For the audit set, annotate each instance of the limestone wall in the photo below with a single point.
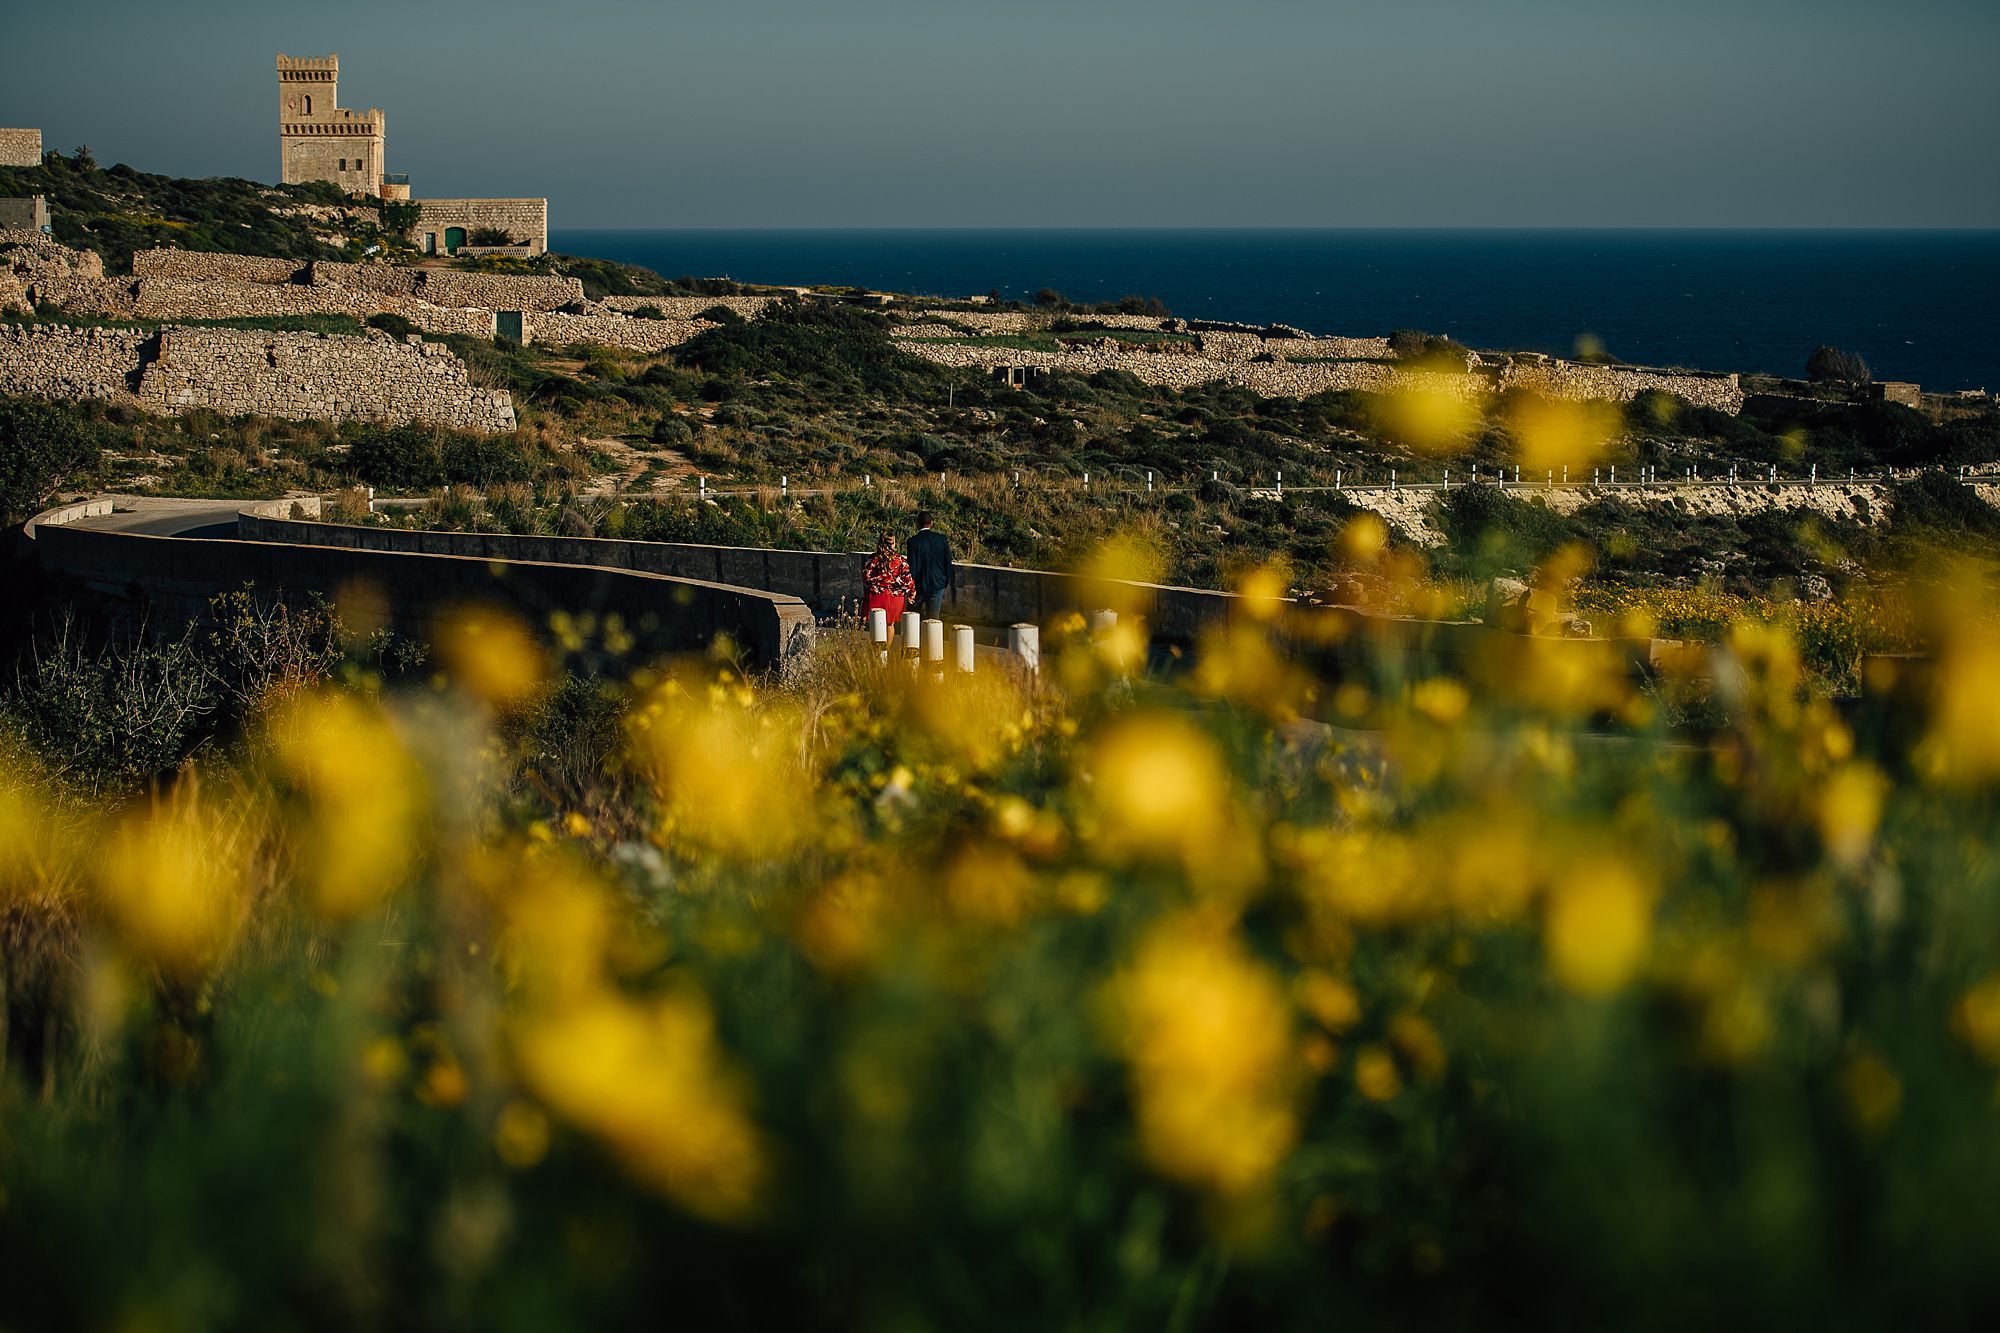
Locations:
(687, 307)
(310, 376)
(621, 331)
(20, 148)
(440, 287)
(170, 299)
(300, 376)
(1569, 379)
(219, 267)
(62, 362)
(1303, 379)
(498, 291)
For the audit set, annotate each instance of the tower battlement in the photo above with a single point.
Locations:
(320, 140)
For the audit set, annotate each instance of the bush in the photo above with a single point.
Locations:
(1414, 347)
(1832, 365)
(720, 314)
(43, 449)
(393, 325)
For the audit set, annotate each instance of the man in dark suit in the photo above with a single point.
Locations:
(930, 567)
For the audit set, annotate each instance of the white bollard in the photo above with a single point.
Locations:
(703, 482)
(1565, 474)
(784, 485)
(1517, 474)
(1025, 642)
(1392, 479)
(933, 641)
(1086, 481)
(912, 630)
(866, 481)
(1614, 474)
(1102, 622)
(1447, 479)
(1336, 479)
(1149, 481)
(1281, 483)
(962, 651)
(1550, 484)
(1815, 474)
(878, 627)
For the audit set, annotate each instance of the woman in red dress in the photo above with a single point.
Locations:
(887, 580)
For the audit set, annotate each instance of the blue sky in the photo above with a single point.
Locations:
(873, 113)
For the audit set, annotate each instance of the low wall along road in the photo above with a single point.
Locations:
(161, 582)
(642, 600)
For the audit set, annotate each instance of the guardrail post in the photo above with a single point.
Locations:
(1336, 478)
(933, 641)
(963, 653)
(912, 631)
(1102, 622)
(1025, 642)
(1392, 479)
(1149, 481)
(784, 486)
(1281, 484)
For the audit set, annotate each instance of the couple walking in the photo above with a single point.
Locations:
(919, 582)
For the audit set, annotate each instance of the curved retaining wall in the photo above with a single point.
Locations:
(162, 583)
(827, 582)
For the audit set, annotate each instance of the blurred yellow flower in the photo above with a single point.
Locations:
(1432, 413)
(1205, 1029)
(366, 796)
(1552, 433)
(1597, 926)
(173, 879)
(1977, 1019)
(492, 655)
(651, 1081)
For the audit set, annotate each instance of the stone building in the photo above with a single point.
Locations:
(20, 148)
(29, 214)
(320, 140)
(449, 226)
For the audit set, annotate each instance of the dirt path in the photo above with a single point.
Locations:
(630, 464)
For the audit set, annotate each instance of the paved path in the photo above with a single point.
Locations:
(167, 516)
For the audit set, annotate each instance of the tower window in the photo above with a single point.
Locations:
(309, 104)
(343, 164)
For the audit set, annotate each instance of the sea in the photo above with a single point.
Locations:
(1922, 306)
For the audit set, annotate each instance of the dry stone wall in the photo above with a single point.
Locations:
(218, 267)
(64, 362)
(621, 331)
(1303, 379)
(498, 291)
(300, 376)
(311, 376)
(686, 307)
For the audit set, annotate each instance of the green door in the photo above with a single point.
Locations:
(454, 237)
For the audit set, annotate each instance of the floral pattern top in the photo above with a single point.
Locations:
(889, 576)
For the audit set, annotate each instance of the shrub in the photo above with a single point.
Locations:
(720, 314)
(392, 324)
(43, 449)
(1832, 365)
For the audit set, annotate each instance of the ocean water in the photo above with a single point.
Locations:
(1919, 305)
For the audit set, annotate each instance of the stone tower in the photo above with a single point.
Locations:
(318, 140)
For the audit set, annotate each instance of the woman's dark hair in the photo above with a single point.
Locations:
(885, 542)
